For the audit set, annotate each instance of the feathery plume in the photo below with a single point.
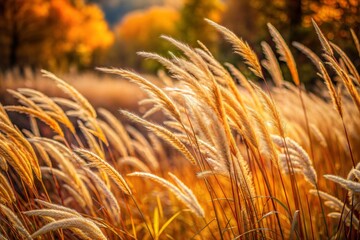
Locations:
(88, 227)
(15, 221)
(285, 53)
(271, 64)
(309, 53)
(324, 42)
(184, 194)
(356, 40)
(72, 92)
(241, 47)
(163, 133)
(103, 165)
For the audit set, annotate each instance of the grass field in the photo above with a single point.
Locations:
(227, 159)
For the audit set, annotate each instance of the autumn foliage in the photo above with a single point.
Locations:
(51, 34)
(140, 30)
(61, 34)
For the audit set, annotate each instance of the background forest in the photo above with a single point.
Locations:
(80, 34)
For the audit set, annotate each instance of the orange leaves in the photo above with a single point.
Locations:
(59, 33)
(142, 29)
(79, 22)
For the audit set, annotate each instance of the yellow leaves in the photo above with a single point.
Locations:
(79, 23)
(329, 10)
(218, 11)
(93, 22)
(50, 30)
(156, 222)
(42, 10)
(135, 29)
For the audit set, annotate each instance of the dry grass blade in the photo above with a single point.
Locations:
(75, 195)
(64, 162)
(40, 115)
(246, 84)
(266, 146)
(57, 207)
(49, 106)
(177, 71)
(347, 61)
(106, 193)
(190, 53)
(86, 226)
(309, 53)
(356, 40)
(134, 162)
(348, 219)
(4, 117)
(6, 192)
(296, 157)
(189, 200)
(147, 154)
(3, 164)
(346, 80)
(241, 47)
(272, 65)
(333, 93)
(324, 42)
(119, 128)
(113, 138)
(319, 136)
(243, 125)
(15, 221)
(342, 211)
(60, 175)
(188, 192)
(90, 140)
(285, 53)
(272, 110)
(19, 153)
(43, 154)
(72, 92)
(164, 134)
(153, 90)
(18, 161)
(2, 237)
(53, 213)
(95, 129)
(294, 224)
(347, 184)
(330, 200)
(25, 101)
(61, 147)
(103, 165)
(309, 171)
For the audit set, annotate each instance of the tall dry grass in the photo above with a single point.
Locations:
(228, 161)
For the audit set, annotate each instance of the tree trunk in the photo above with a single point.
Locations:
(14, 40)
(294, 12)
(14, 45)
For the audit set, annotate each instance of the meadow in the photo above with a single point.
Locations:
(225, 157)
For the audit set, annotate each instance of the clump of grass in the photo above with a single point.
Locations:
(244, 159)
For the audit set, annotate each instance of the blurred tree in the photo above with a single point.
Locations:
(50, 34)
(140, 31)
(247, 18)
(292, 18)
(192, 26)
(335, 16)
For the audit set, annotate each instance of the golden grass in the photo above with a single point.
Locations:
(246, 158)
